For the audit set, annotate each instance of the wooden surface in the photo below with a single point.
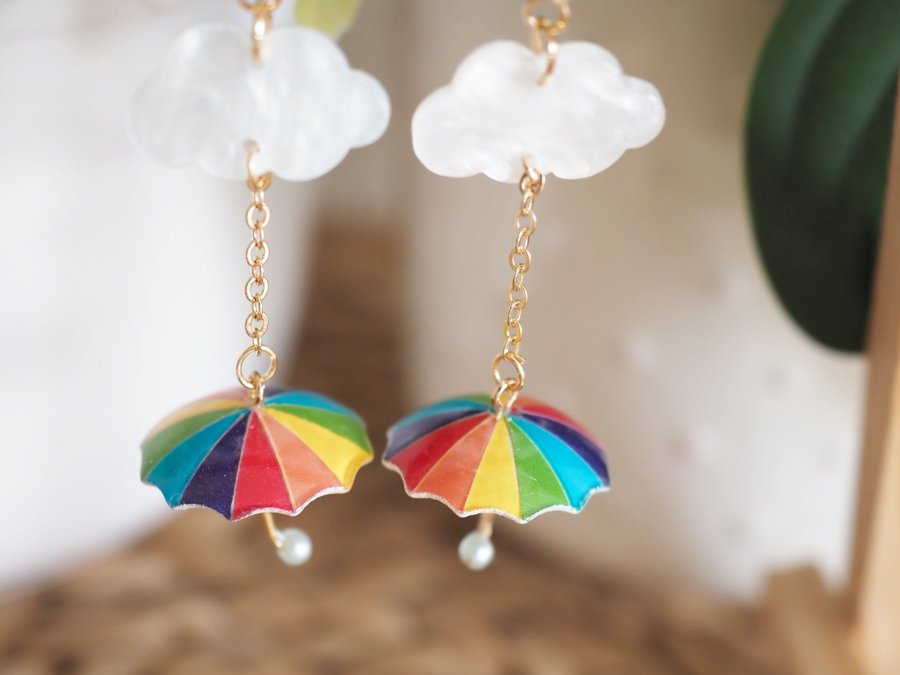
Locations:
(384, 592)
(809, 624)
(875, 586)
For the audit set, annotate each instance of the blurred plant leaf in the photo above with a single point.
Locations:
(332, 17)
(818, 138)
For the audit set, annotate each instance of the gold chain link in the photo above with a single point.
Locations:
(509, 386)
(545, 31)
(257, 287)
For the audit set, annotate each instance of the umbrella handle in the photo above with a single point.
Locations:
(486, 524)
(274, 533)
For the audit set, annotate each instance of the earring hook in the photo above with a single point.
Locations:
(262, 21)
(545, 31)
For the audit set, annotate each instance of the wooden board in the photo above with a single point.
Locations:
(874, 597)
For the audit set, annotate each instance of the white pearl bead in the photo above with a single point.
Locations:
(476, 551)
(294, 547)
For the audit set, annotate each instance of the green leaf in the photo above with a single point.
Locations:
(817, 142)
(332, 17)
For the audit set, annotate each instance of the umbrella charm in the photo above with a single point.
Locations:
(243, 452)
(501, 454)
(519, 464)
(239, 459)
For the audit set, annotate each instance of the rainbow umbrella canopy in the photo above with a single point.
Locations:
(532, 460)
(236, 458)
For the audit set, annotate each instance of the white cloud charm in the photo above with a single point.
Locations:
(303, 104)
(494, 113)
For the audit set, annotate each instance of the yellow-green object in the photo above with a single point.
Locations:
(332, 17)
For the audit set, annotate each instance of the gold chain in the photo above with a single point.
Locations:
(509, 386)
(545, 31)
(257, 287)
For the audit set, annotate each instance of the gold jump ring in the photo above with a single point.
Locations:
(262, 379)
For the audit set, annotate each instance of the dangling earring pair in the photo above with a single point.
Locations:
(512, 113)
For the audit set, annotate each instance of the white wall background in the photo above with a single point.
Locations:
(122, 283)
(733, 438)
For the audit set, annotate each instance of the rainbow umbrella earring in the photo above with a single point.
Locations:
(245, 107)
(518, 115)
